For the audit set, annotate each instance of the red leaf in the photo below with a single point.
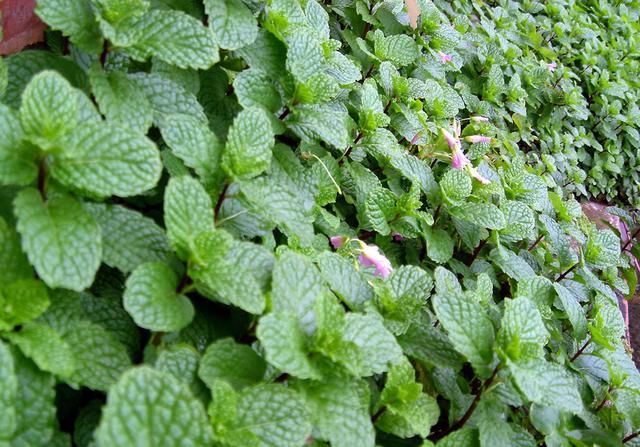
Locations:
(20, 25)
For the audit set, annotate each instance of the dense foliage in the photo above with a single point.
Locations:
(241, 224)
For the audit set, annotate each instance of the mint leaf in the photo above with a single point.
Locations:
(522, 333)
(13, 260)
(100, 358)
(62, 240)
(314, 123)
(232, 23)
(141, 407)
(439, 245)
(196, 145)
(339, 413)
(8, 392)
(468, 327)
(49, 109)
(191, 45)
(22, 301)
(485, 215)
(377, 346)
(108, 159)
(284, 343)
(547, 384)
(254, 87)
(574, 311)
(249, 144)
(120, 100)
(232, 362)
(18, 163)
(45, 347)
(128, 237)
(342, 277)
(75, 18)
(188, 211)
(152, 301)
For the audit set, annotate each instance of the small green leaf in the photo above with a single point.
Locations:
(522, 333)
(152, 301)
(249, 144)
(14, 261)
(232, 23)
(108, 159)
(468, 327)
(8, 392)
(75, 18)
(483, 214)
(148, 408)
(45, 347)
(62, 241)
(439, 245)
(18, 158)
(22, 301)
(49, 109)
(232, 362)
(188, 211)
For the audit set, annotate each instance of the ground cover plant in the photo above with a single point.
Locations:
(291, 223)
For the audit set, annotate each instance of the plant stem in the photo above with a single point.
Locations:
(378, 413)
(42, 177)
(633, 236)
(631, 436)
(581, 350)
(463, 420)
(350, 148)
(221, 197)
(604, 399)
(537, 241)
(284, 113)
(475, 253)
(566, 272)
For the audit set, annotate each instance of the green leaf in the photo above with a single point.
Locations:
(120, 100)
(218, 276)
(75, 18)
(188, 211)
(574, 311)
(304, 56)
(296, 286)
(232, 23)
(455, 186)
(522, 333)
(284, 342)
(14, 261)
(152, 301)
(237, 364)
(18, 162)
(128, 237)
(400, 49)
(342, 277)
(339, 413)
(191, 44)
(249, 144)
(380, 207)
(274, 415)
(520, 221)
(8, 393)
(603, 249)
(469, 329)
(314, 123)
(148, 408)
(100, 358)
(627, 402)
(45, 347)
(34, 406)
(377, 346)
(22, 301)
(108, 159)
(49, 109)
(483, 214)
(439, 245)
(547, 384)
(62, 240)
(195, 144)
(255, 88)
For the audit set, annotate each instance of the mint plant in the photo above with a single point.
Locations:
(289, 223)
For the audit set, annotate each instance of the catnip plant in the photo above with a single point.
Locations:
(290, 223)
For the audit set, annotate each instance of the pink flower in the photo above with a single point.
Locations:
(371, 256)
(397, 237)
(337, 241)
(478, 139)
(479, 119)
(452, 141)
(551, 67)
(444, 57)
(415, 139)
(458, 159)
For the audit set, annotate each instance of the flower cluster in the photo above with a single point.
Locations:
(458, 159)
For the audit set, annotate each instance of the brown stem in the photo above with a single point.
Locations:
(216, 210)
(604, 399)
(631, 436)
(537, 241)
(350, 148)
(386, 108)
(184, 282)
(378, 413)
(566, 272)
(105, 52)
(42, 177)
(633, 236)
(475, 253)
(436, 213)
(580, 351)
(284, 113)
(463, 420)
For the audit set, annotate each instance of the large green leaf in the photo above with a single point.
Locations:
(232, 23)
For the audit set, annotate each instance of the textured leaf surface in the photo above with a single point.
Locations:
(75, 18)
(108, 160)
(18, 164)
(22, 301)
(8, 392)
(237, 364)
(62, 240)
(232, 23)
(151, 299)
(148, 408)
